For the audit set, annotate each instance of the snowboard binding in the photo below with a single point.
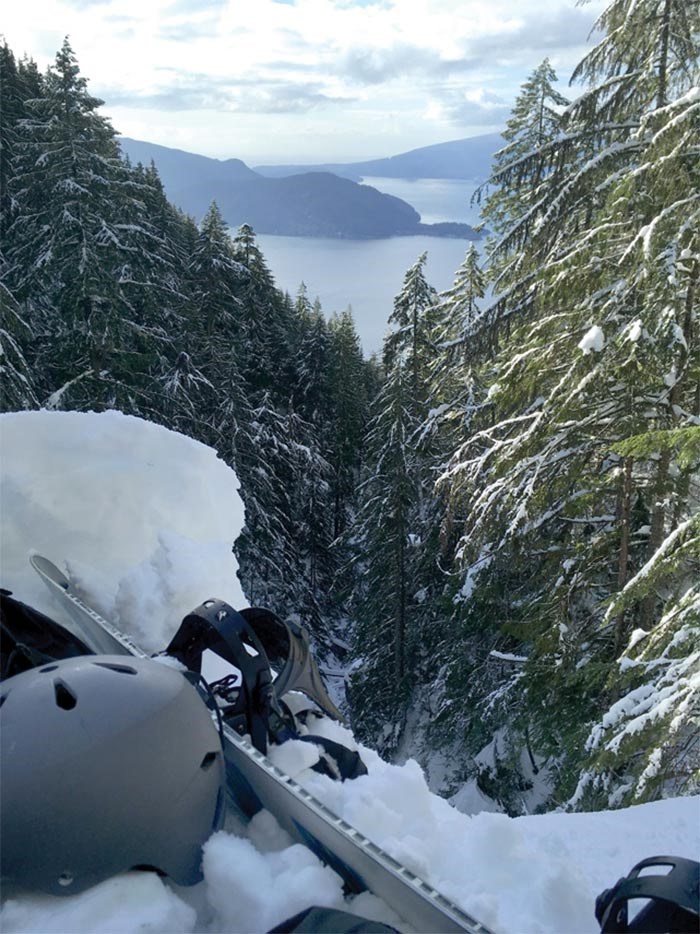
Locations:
(672, 899)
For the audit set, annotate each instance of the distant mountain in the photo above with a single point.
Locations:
(177, 168)
(461, 158)
(312, 204)
(317, 204)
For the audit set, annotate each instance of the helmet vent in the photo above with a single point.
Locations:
(48, 668)
(65, 699)
(113, 666)
(208, 761)
(3, 698)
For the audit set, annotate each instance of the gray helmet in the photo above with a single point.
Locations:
(108, 763)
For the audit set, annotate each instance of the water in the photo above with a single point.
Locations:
(435, 199)
(366, 275)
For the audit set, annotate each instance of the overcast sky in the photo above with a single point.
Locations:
(304, 80)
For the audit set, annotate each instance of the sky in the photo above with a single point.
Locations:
(294, 81)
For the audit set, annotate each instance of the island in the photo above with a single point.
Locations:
(306, 204)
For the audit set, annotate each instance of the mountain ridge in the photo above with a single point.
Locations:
(314, 203)
(468, 158)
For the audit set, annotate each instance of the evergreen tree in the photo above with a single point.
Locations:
(267, 325)
(559, 516)
(212, 335)
(19, 82)
(387, 533)
(310, 363)
(348, 402)
(646, 744)
(455, 333)
(535, 121)
(523, 177)
(17, 384)
(218, 276)
(70, 251)
(379, 689)
(411, 324)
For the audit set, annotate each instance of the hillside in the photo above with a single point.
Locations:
(461, 158)
(317, 204)
(312, 204)
(177, 168)
(151, 561)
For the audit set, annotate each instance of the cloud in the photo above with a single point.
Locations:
(559, 29)
(365, 65)
(287, 98)
(244, 95)
(470, 108)
(520, 39)
(86, 4)
(206, 28)
(178, 7)
(335, 73)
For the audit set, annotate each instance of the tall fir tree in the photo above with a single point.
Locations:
(523, 176)
(387, 532)
(348, 400)
(559, 514)
(70, 247)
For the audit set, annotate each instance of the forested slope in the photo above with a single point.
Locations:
(307, 203)
(112, 298)
(507, 505)
(529, 607)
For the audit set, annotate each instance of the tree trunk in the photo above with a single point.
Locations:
(623, 561)
(656, 535)
(400, 626)
(662, 92)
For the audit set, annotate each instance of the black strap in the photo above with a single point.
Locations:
(287, 646)
(29, 638)
(674, 898)
(217, 626)
(345, 763)
(317, 920)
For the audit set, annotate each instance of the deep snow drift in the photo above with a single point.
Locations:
(144, 519)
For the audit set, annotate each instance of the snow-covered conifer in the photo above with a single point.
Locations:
(558, 513)
(70, 245)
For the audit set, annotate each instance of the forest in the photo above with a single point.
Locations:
(495, 528)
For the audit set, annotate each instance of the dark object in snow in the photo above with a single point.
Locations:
(252, 641)
(29, 638)
(671, 899)
(109, 763)
(330, 921)
(253, 782)
(287, 647)
(337, 761)
(250, 702)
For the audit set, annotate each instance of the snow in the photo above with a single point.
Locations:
(592, 340)
(526, 874)
(144, 519)
(130, 902)
(636, 331)
(253, 891)
(507, 656)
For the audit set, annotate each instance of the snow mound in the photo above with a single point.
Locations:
(527, 874)
(145, 519)
(128, 904)
(592, 340)
(142, 518)
(253, 891)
